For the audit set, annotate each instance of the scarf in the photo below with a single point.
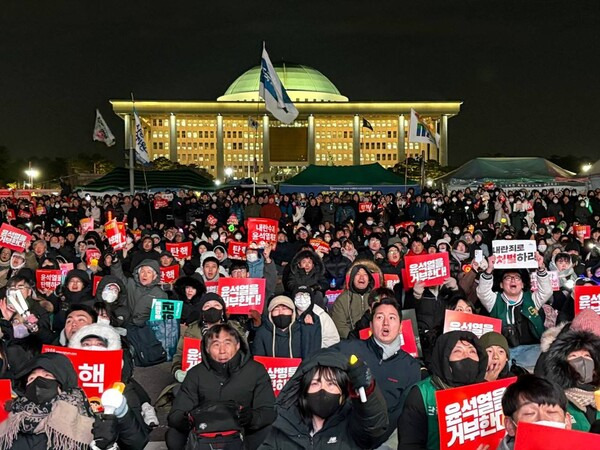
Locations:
(460, 256)
(581, 398)
(391, 349)
(66, 421)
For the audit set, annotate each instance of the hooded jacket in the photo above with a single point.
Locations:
(355, 425)
(118, 309)
(190, 309)
(84, 296)
(272, 341)
(296, 277)
(139, 298)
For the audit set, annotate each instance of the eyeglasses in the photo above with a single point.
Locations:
(512, 278)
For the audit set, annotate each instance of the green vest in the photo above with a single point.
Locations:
(528, 310)
(433, 432)
(579, 420)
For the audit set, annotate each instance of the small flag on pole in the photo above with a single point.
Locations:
(367, 124)
(252, 123)
(277, 101)
(101, 131)
(141, 152)
(419, 131)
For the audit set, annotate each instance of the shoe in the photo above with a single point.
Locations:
(149, 415)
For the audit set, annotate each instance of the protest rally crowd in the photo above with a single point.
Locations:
(409, 321)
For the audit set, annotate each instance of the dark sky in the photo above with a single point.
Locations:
(527, 70)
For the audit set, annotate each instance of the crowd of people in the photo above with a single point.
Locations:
(348, 391)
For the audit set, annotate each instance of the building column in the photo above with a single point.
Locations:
(266, 146)
(443, 150)
(401, 137)
(127, 130)
(173, 137)
(311, 140)
(356, 141)
(220, 172)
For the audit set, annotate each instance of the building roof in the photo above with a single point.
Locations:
(302, 82)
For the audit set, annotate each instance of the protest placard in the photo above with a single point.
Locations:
(116, 234)
(262, 231)
(86, 225)
(431, 269)
(95, 282)
(582, 231)
(237, 250)
(165, 309)
(242, 294)
(192, 353)
(547, 220)
(5, 396)
(390, 280)
(211, 286)
(179, 250)
(408, 341)
(365, 207)
(586, 297)
(514, 254)
(554, 280)
(476, 324)
(531, 436)
(97, 370)
(470, 416)
(332, 295)
(319, 245)
(280, 370)
(92, 256)
(47, 279)
(169, 275)
(13, 238)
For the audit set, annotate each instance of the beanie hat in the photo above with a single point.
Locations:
(208, 256)
(493, 338)
(587, 320)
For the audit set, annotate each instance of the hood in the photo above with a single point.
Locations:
(239, 360)
(111, 279)
(372, 269)
(550, 335)
(285, 301)
(184, 282)
(440, 356)
(76, 273)
(106, 332)
(317, 261)
(557, 369)
(150, 263)
(58, 365)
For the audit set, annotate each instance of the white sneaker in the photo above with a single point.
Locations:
(149, 415)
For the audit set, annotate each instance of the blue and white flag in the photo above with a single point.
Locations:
(141, 152)
(418, 131)
(273, 93)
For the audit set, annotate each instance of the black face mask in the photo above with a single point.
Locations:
(464, 371)
(322, 403)
(584, 367)
(41, 390)
(212, 315)
(335, 251)
(282, 321)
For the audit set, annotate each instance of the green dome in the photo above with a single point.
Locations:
(302, 83)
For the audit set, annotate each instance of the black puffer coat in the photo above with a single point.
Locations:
(296, 277)
(191, 309)
(118, 309)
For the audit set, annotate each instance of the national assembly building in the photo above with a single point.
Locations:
(235, 136)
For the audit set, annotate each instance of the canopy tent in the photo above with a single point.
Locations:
(370, 177)
(594, 174)
(525, 172)
(153, 181)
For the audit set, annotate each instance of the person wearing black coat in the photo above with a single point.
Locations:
(336, 264)
(190, 290)
(311, 273)
(313, 214)
(144, 251)
(226, 376)
(112, 292)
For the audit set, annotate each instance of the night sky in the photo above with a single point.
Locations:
(526, 70)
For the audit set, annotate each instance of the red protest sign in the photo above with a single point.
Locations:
(587, 297)
(331, 296)
(403, 225)
(180, 250)
(95, 282)
(6, 193)
(554, 280)
(262, 231)
(24, 214)
(531, 436)
(365, 207)
(10, 215)
(211, 286)
(242, 294)
(390, 280)
(476, 324)
(115, 233)
(160, 202)
(169, 274)
(547, 220)
(192, 354)
(237, 250)
(319, 245)
(5, 395)
(48, 280)
(92, 256)
(582, 231)
(86, 225)
(279, 369)
(430, 269)
(13, 238)
(40, 210)
(97, 370)
(470, 416)
(408, 341)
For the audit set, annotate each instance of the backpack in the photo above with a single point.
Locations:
(146, 350)
(215, 426)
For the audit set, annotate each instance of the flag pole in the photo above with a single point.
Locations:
(131, 155)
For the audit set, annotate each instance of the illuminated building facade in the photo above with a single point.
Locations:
(217, 135)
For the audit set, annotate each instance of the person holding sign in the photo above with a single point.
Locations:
(457, 360)
(320, 407)
(518, 308)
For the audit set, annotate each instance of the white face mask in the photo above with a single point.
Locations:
(302, 301)
(95, 347)
(542, 247)
(214, 236)
(103, 320)
(369, 222)
(252, 257)
(109, 295)
(238, 237)
(549, 423)
(20, 331)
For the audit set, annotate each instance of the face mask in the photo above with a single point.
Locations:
(454, 199)
(20, 331)
(212, 315)
(322, 403)
(525, 229)
(129, 239)
(238, 237)
(103, 320)
(302, 301)
(252, 257)
(214, 236)
(41, 390)
(542, 247)
(549, 423)
(282, 321)
(335, 251)
(584, 367)
(109, 295)
(582, 204)
(456, 231)
(369, 222)
(464, 371)
(555, 200)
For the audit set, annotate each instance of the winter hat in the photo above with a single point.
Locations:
(209, 296)
(493, 338)
(208, 256)
(105, 333)
(587, 320)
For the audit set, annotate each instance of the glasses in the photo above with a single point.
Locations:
(512, 278)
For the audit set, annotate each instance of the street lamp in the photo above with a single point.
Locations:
(218, 182)
(586, 167)
(31, 174)
(228, 172)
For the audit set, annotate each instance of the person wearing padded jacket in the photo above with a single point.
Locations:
(190, 290)
(458, 359)
(112, 292)
(319, 406)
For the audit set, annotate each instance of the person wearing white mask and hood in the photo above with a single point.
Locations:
(112, 292)
(311, 314)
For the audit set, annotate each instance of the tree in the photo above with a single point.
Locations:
(432, 169)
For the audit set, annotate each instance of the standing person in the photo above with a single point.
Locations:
(270, 210)
(306, 269)
(314, 319)
(336, 265)
(319, 407)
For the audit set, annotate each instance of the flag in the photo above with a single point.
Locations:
(367, 124)
(252, 123)
(101, 131)
(420, 132)
(273, 93)
(141, 152)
